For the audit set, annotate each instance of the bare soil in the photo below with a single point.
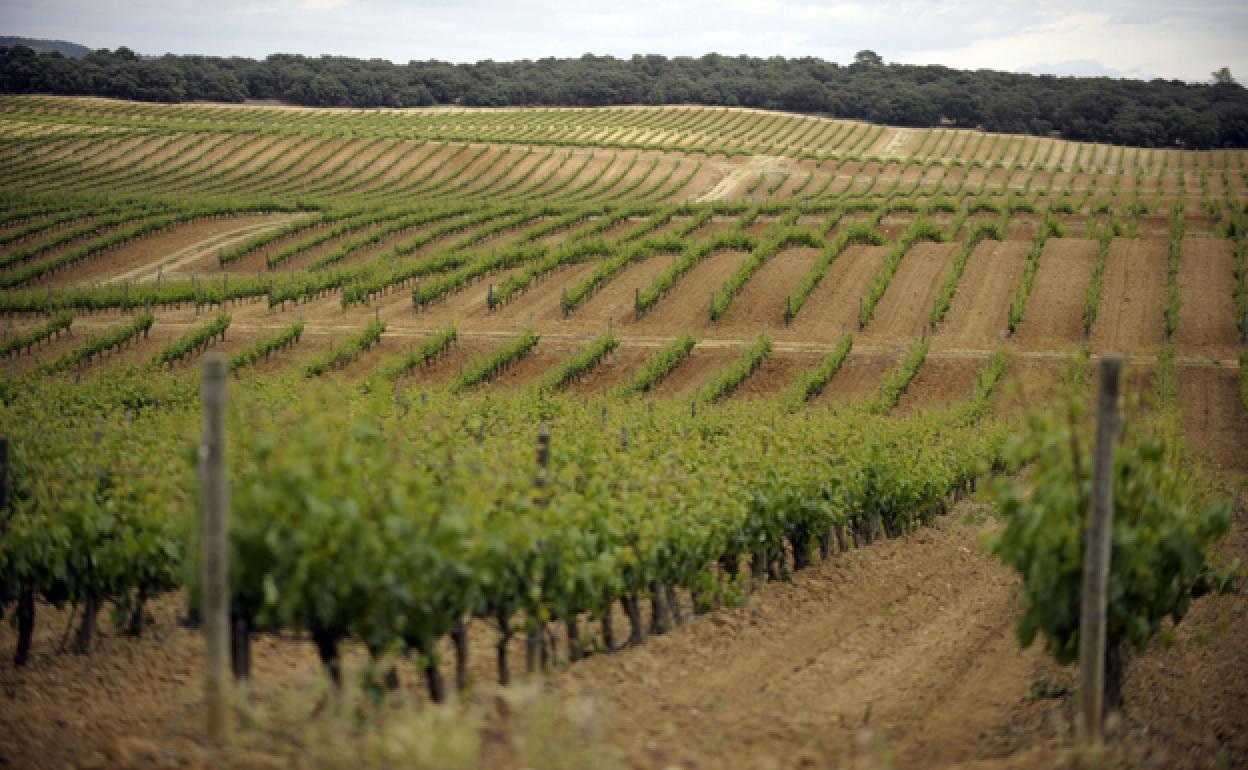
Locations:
(1207, 314)
(979, 313)
(1130, 318)
(831, 310)
(903, 312)
(1053, 318)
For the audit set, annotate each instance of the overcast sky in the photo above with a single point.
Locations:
(1132, 39)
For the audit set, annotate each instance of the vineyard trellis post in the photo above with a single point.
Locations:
(214, 544)
(4, 481)
(1094, 614)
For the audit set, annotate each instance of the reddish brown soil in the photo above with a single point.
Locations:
(903, 312)
(612, 371)
(776, 373)
(687, 303)
(1133, 298)
(1213, 416)
(1029, 383)
(980, 310)
(832, 308)
(696, 370)
(940, 382)
(859, 378)
(762, 299)
(1053, 317)
(1207, 314)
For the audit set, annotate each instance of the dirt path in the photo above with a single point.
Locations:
(738, 176)
(201, 249)
(887, 636)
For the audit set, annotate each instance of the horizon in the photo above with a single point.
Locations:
(1107, 39)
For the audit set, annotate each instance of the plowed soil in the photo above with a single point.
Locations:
(859, 378)
(940, 382)
(762, 299)
(1207, 315)
(902, 313)
(776, 374)
(1133, 298)
(687, 303)
(1053, 318)
(695, 371)
(1213, 416)
(832, 308)
(980, 309)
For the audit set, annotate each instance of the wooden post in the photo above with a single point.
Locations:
(1094, 615)
(543, 455)
(636, 305)
(4, 481)
(214, 535)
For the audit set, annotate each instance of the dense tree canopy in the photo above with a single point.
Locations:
(1153, 113)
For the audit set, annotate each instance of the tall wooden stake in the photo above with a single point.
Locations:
(214, 534)
(1094, 616)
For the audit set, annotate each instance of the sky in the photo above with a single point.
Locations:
(1145, 39)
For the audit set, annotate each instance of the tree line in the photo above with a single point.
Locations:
(1156, 113)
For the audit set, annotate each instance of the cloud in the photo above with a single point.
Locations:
(1133, 37)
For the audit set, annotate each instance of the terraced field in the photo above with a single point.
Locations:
(703, 257)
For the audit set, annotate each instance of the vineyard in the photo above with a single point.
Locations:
(513, 390)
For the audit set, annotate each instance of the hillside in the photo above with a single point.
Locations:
(1156, 113)
(726, 319)
(64, 48)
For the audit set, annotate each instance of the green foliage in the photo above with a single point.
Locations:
(496, 362)
(95, 346)
(345, 352)
(194, 342)
(1173, 302)
(20, 343)
(1163, 529)
(1093, 302)
(1166, 380)
(266, 347)
(657, 366)
(725, 382)
(579, 363)
(899, 379)
(425, 353)
(812, 382)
